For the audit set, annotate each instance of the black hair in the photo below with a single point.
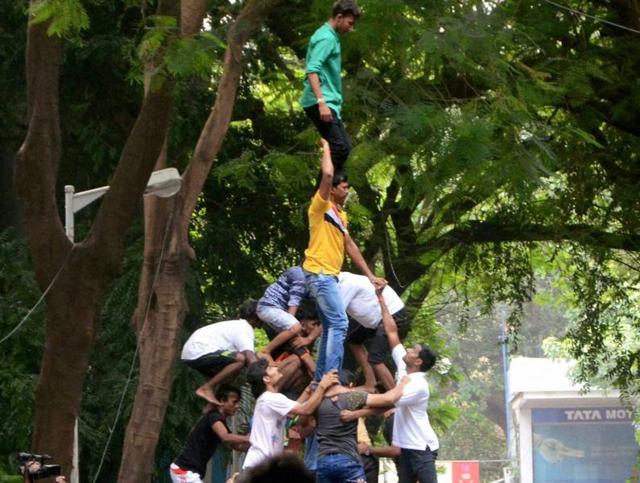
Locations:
(428, 357)
(255, 373)
(307, 311)
(339, 177)
(346, 7)
(283, 467)
(346, 377)
(225, 390)
(247, 309)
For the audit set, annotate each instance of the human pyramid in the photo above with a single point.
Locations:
(342, 309)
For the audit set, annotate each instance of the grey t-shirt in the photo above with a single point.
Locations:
(334, 436)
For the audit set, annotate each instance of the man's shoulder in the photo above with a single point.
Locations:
(318, 202)
(214, 416)
(323, 32)
(269, 397)
(295, 273)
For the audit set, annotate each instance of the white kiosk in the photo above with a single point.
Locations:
(564, 435)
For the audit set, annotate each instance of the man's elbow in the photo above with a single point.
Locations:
(327, 174)
(305, 410)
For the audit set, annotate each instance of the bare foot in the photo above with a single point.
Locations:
(207, 394)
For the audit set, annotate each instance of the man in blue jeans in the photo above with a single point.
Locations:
(338, 459)
(328, 241)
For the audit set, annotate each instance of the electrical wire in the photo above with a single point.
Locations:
(44, 294)
(593, 17)
(135, 354)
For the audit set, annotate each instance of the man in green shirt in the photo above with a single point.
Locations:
(322, 95)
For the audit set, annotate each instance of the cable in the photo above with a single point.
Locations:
(388, 250)
(135, 354)
(593, 17)
(44, 294)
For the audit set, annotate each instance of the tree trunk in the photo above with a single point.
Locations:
(158, 330)
(158, 319)
(76, 294)
(70, 313)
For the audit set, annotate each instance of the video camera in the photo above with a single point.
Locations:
(33, 471)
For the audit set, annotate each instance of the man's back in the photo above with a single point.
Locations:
(234, 335)
(324, 58)
(361, 301)
(335, 436)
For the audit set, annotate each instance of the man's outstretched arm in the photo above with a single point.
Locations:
(326, 171)
(390, 326)
(354, 253)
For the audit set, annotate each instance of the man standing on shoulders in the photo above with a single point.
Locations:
(412, 432)
(206, 435)
(328, 241)
(322, 95)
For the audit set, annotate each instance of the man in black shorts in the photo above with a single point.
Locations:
(203, 440)
(221, 350)
(365, 324)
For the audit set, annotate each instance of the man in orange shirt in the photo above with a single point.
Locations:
(328, 241)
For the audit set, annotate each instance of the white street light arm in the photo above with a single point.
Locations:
(163, 183)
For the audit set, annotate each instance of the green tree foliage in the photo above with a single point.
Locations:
(491, 139)
(20, 354)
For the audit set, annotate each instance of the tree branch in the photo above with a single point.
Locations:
(40, 152)
(217, 124)
(493, 231)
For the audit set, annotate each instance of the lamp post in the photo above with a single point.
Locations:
(163, 183)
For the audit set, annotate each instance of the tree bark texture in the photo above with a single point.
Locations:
(75, 298)
(158, 326)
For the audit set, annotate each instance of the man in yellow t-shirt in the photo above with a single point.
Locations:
(328, 241)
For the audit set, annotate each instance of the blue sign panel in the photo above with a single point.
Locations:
(594, 445)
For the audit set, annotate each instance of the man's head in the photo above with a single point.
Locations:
(347, 378)
(340, 188)
(344, 15)
(419, 358)
(261, 375)
(278, 468)
(308, 317)
(247, 311)
(229, 396)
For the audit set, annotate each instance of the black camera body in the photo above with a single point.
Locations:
(27, 461)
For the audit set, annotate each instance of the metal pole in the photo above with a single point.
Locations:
(69, 229)
(505, 374)
(69, 223)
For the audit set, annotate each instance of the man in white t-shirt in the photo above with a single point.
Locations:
(365, 323)
(220, 350)
(272, 409)
(412, 432)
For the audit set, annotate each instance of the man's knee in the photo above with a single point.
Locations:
(241, 358)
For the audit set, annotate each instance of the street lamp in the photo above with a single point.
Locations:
(163, 183)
